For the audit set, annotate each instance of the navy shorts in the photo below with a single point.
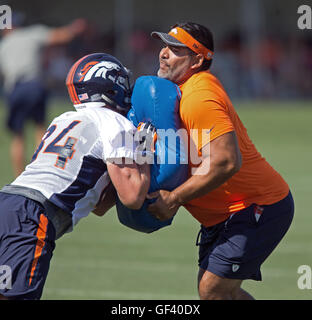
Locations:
(27, 241)
(26, 101)
(236, 248)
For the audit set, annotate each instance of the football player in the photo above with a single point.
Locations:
(84, 156)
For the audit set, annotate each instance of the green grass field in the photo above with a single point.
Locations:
(102, 259)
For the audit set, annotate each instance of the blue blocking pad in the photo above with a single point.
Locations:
(157, 100)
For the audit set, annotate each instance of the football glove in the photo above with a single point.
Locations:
(146, 137)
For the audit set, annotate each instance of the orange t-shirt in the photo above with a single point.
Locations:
(205, 106)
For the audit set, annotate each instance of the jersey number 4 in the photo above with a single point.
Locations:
(63, 152)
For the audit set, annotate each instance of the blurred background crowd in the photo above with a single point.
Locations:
(259, 50)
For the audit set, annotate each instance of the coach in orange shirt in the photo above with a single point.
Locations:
(244, 206)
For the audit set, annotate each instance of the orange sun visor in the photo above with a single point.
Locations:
(184, 37)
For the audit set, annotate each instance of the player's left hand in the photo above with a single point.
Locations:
(165, 207)
(147, 136)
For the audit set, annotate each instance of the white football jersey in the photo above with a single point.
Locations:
(69, 166)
